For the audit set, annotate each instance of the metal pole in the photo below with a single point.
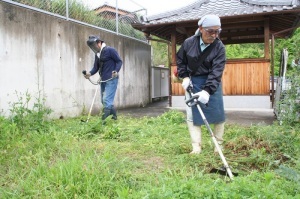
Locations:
(117, 18)
(272, 68)
(67, 10)
(89, 115)
(226, 166)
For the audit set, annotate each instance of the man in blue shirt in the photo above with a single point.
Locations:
(108, 63)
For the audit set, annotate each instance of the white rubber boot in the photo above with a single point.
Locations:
(219, 132)
(195, 133)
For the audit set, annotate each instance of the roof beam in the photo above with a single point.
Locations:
(242, 33)
(181, 30)
(243, 25)
(243, 41)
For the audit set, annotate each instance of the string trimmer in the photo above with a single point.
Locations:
(84, 72)
(225, 170)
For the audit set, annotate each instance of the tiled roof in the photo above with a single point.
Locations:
(243, 21)
(222, 8)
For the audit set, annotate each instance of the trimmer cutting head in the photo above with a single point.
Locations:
(225, 170)
(222, 171)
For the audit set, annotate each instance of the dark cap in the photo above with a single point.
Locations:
(95, 38)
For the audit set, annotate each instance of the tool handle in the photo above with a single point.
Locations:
(192, 101)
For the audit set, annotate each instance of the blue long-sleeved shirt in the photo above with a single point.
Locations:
(111, 62)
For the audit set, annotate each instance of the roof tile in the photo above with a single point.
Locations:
(221, 8)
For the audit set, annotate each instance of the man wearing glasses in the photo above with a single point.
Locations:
(200, 63)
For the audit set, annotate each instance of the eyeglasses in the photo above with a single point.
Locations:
(213, 31)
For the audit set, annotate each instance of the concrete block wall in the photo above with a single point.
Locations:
(44, 54)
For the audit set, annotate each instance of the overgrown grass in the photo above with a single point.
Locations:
(145, 158)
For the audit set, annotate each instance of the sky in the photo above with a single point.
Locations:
(153, 7)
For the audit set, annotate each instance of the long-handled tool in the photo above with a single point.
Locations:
(84, 72)
(91, 107)
(225, 170)
(95, 83)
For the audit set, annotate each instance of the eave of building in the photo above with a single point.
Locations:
(243, 24)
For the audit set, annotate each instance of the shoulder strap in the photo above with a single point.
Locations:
(205, 53)
(101, 62)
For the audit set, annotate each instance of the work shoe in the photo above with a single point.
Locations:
(106, 113)
(113, 112)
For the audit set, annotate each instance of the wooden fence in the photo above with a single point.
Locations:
(240, 77)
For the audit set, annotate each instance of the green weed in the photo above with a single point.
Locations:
(145, 158)
(29, 114)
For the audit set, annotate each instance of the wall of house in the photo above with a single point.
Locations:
(45, 55)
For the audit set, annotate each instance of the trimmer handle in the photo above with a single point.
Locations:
(191, 102)
(84, 72)
(193, 98)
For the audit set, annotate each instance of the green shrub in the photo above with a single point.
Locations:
(29, 115)
(289, 104)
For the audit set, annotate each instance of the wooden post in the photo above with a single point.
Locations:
(173, 48)
(267, 38)
(173, 62)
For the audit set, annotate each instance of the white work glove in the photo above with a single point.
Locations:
(185, 83)
(114, 74)
(203, 96)
(87, 75)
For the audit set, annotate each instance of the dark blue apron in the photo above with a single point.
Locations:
(214, 111)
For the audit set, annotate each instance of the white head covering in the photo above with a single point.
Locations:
(207, 21)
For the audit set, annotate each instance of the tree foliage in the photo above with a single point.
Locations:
(293, 47)
(160, 53)
(237, 51)
(257, 51)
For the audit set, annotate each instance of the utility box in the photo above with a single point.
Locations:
(160, 81)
